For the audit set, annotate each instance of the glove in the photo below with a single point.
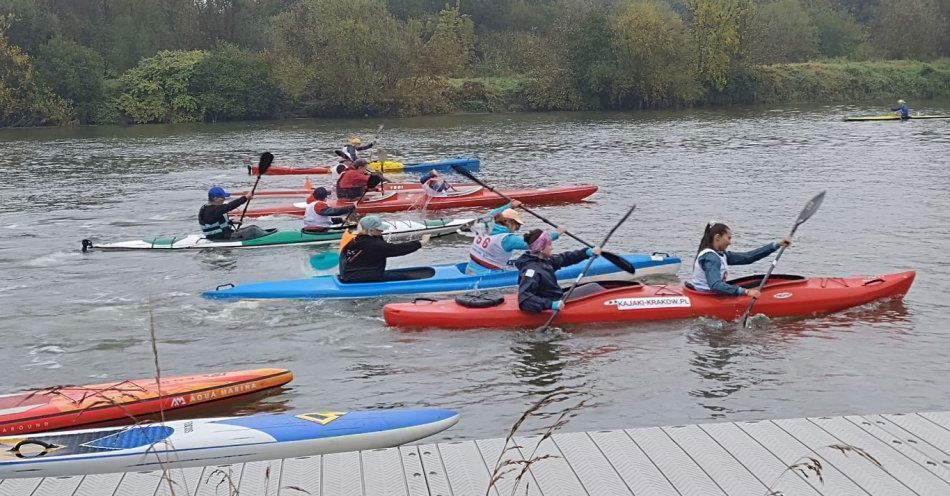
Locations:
(557, 305)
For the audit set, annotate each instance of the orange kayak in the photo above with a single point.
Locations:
(783, 296)
(61, 407)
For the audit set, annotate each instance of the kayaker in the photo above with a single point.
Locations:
(711, 268)
(319, 216)
(355, 182)
(538, 289)
(903, 109)
(434, 183)
(354, 145)
(337, 170)
(214, 221)
(363, 259)
(495, 240)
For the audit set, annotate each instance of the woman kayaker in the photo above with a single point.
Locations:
(363, 259)
(214, 221)
(538, 289)
(495, 240)
(355, 182)
(903, 109)
(319, 216)
(711, 268)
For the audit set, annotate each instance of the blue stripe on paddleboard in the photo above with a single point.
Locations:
(132, 438)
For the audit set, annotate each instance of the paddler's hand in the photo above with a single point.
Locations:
(597, 251)
(561, 230)
(786, 241)
(249, 196)
(755, 293)
(557, 305)
(515, 203)
(424, 240)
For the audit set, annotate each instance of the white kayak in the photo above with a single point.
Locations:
(199, 442)
(394, 230)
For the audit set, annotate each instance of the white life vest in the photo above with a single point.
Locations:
(312, 219)
(699, 276)
(487, 251)
(335, 172)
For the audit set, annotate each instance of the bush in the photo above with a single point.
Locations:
(73, 72)
(24, 101)
(232, 84)
(158, 88)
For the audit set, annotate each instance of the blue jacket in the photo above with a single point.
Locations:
(510, 243)
(537, 284)
(905, 110)
(712, 266)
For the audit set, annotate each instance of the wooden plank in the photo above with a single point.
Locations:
(685, 475)
(413, 472)
(897, 465)
(300, 476)
(721, 467)
(382, 472)
(139, 483)
(553, 475)
(342, 475)
(220, 479)
(184, 482)
(57, 486)
(590, 465)
(760, 462)
(437, 477)
(924, 429)
(19, 487)
(464, 467)
(638, 472)
(912, 446)
(261, 478)
(490, 450)
(791, 451)
(863, 472)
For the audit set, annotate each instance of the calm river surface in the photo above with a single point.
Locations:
(68, 317)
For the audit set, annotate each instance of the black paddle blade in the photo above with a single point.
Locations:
(266, 159)
(461, 170)
(810, 208)
(619, 261)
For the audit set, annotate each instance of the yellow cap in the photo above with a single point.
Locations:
(355, 141)
(513, 215)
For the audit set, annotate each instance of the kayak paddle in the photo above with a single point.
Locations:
(590, 261)
(615, 259)
(266, 159)
(325, 261)
(810, 208)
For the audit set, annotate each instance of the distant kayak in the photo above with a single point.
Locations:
(393, 230)
(783, 296)
(447, 278)
(469, 163)
(72, 406)
(891, 117)
(304, 192)
(213, 441)
(471, 196)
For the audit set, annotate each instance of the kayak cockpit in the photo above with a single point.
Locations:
(753, 281)
(394, 275)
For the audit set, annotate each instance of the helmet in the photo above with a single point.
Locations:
(901, 102)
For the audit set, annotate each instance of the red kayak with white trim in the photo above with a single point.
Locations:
(283, 170)
(308, 189)
(783, 296)
(470, 196)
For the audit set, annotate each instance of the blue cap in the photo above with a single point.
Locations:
(217, 192)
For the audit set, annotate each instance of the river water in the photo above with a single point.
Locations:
(68, 317)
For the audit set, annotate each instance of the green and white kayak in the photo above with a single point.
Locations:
(395, 230)
(891, 117)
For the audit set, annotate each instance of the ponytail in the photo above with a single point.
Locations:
(712, 229)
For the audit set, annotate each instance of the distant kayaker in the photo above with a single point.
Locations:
(320, 216)
(213, 217)
(363, 259)
(495, 240)
(903, 109)
(349, 150)
(355, 182)
(434, 183)
(538, 289)
(711, 268)
(337, 170)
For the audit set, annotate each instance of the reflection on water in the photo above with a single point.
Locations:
(539, 363)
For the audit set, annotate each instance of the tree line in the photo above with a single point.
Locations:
(110, 61)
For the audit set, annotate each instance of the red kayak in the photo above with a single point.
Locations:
(783, 296)
(471, 196)
(62, 407)
(281, 170)
(307, 190)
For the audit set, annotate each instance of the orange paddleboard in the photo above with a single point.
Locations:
(61, 407)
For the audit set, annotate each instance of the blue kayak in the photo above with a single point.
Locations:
(447, 278)
(468, 163)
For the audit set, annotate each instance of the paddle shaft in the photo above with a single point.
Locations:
(590, 262)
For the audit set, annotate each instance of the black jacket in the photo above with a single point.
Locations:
(364, 258)
(211, 213)
(537, 284)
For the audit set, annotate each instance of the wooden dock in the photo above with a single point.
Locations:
(887, 455)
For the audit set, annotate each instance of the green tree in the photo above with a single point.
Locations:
(73, 72)
(788, 34)
(908, 28)
(722, 34)
(157, 89)
(839, 34)
(449, 48)
(233, 84)
(23, 100)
